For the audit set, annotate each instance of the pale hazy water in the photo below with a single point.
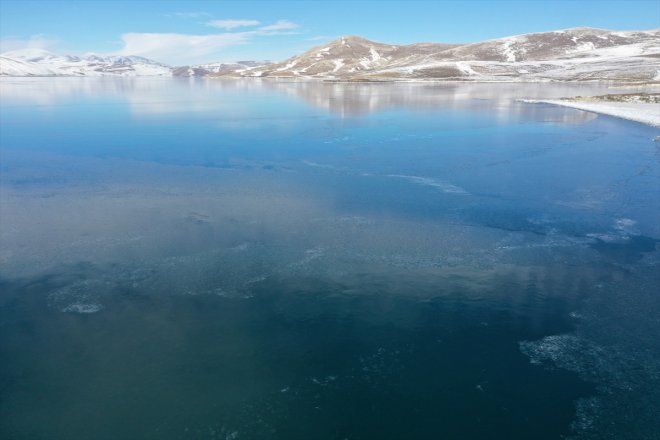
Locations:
(274, 260)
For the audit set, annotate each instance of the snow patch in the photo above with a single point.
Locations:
(582, 47)
(466, 68)
(287, 66)
(338, 64)
(508, 52)
(375, 56)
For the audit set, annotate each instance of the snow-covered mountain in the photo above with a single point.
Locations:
(37, 62)
(217, 68)
(565, 55)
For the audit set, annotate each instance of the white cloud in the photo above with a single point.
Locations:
(189, 14)
(179, 49)
(38, 41)
(232, 24)
(280, 25)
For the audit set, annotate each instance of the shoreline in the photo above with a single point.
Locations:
(614, 83)
(644, 113)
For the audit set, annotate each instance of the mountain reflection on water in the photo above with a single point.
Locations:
(265, 259)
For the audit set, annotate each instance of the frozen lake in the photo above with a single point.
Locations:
(251, 259)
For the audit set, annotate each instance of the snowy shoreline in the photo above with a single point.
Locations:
(633, 111)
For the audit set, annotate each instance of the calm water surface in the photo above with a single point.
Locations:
(273, 260)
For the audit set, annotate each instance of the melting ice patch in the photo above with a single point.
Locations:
(621, 375)
(82, 308)
(310, 255)
(320, 165)
(553, 349)
(624, 229)
(79, 297)
(240, 247)
(607, 366)
(443, 186)
(625, 226)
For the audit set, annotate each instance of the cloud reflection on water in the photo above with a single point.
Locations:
(231, 97)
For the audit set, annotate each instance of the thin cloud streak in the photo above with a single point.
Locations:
(38, 41)
(232, 24)
(280, 25)
(189, 15)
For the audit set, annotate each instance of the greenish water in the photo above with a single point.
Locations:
(271, 260)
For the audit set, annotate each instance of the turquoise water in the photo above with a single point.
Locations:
(274, 260)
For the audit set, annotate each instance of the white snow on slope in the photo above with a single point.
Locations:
(466, 68)
(338, 64)
(582, 47)
(288, 66)
(375, 56)
(12, 67)
(508, 50)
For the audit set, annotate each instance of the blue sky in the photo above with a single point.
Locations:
(182, 32)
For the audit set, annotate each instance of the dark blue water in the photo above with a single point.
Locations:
(273, 260)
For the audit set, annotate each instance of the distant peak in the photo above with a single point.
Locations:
(351, 39)
(585, 29)
(29, 53)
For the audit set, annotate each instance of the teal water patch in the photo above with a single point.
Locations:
(299, 358)
(628, 250)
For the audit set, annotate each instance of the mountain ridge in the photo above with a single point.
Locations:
(574, 54)
(564, 55)
(39, 62)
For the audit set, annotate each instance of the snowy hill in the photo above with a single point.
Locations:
(37, 62)
(565, 55)
(15, 67)
(344, 57)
